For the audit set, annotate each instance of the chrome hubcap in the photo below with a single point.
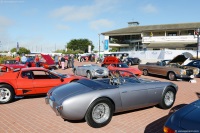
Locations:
(101, 113)
(171, 76)
(4, 94)
(169, 98)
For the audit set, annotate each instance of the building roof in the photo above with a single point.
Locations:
(161, 27)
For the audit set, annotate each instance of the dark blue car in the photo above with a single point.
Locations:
(195, 63)
(186, 119)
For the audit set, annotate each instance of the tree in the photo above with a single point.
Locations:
(21, 50)
(81, 44)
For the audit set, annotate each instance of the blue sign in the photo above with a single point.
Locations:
(106, 45)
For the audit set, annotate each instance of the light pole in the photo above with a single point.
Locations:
(198, 45)
(99, 45)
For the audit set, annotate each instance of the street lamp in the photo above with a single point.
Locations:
(198, 45)
(99, 45)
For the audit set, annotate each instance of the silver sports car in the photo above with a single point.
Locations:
(97, 100)
(91, 71)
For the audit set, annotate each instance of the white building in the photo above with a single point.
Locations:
(152, 37)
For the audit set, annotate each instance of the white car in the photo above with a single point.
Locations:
(91, 71)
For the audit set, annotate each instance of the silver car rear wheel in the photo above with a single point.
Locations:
(99, 113)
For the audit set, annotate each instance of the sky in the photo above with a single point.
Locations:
(48, 25)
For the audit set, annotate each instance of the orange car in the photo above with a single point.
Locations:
(124, 66)
(30, 81)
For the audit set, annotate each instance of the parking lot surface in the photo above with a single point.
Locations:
(32, 115)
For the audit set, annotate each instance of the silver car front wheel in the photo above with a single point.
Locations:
(99, 113)
(168, 98)
(89, 75)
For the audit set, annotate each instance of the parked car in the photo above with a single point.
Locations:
(109, 60)
(91, 71)
(13, 64)
(30, 81)
(132, 61)
(186, 119)
(87, 56)
(45, 61)
(195, 63)
(124, 66)
(97, 100)
(173, 70)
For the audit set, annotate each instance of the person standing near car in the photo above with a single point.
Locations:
(23, 59)
(56, 60)
(62, 62)
(18, 58)
(69, 61)
(72, 60)
(37, 61)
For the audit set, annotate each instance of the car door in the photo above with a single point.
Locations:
(133, 95)
(43, 81)
(81, 71)
(156, 69)
(25, 83)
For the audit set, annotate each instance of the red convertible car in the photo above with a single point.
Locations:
(13, 64)
(124, 66)
(30, 81)
(45, 61)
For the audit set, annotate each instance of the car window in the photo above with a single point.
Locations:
(44, 75)
(26, 75)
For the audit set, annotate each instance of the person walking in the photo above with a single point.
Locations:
(62, 62)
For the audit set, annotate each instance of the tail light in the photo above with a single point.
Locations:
(168, 130)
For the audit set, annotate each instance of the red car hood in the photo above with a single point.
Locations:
(48, 59)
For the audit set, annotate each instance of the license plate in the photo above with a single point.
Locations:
(50, 103)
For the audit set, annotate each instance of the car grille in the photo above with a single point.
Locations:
(100, 71)
(189, 72)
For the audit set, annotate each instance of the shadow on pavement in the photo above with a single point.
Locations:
(157, 126)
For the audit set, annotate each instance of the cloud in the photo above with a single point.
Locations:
(62, 27)
(74, 13)
(149, 8)
(101, 23)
